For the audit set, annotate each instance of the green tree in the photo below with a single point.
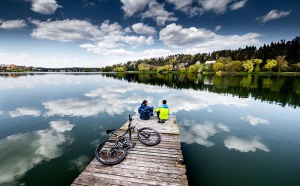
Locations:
(297, 66)
(144, 67)
(218, 66)
(183, 70)
(248, 66)
(120, 69)
(224, 60)
(257, 62)
(282, 64)
(234, 66)
(192, 68)
(271, 63)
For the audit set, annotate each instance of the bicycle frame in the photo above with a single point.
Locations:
(129, 129)
(118, 150)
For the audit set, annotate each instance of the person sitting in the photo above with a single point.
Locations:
(145, 110)
(163, 112)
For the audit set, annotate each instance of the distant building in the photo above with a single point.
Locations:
(11, 66)
(210, 62)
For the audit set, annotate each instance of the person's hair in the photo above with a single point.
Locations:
(144, 102)
(164, 101)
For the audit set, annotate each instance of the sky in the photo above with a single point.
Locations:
(98, 33)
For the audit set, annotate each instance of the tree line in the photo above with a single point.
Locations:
(276, 56)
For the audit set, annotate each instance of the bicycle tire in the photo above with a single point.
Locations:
(107, 155)
(148, 136)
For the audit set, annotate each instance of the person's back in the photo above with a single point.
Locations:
(163, 111)
(145, 111)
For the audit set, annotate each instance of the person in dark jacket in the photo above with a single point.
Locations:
(145, 110)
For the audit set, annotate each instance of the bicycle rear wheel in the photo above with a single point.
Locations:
(148, 136)
(110, 153)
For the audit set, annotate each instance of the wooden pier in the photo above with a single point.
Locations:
(143, 165)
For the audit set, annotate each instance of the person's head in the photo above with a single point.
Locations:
(164, 101)
(145, 102)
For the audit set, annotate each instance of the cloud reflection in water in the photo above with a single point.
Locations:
(21, 152)
(255, 121)
(197, 133)
(24, 112)
(244, 145)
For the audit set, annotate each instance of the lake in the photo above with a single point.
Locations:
(234, 130)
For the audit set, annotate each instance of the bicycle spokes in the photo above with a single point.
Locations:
(148, 136)
(110, 152)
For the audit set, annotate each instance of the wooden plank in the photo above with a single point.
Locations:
(143, 165)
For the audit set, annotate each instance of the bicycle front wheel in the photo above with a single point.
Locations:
(148, 136)
(110, 152)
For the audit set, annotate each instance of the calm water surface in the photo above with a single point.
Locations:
(233, 130)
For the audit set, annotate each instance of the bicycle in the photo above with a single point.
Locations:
(111, 152)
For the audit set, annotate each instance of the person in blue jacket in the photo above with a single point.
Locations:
(145, 110)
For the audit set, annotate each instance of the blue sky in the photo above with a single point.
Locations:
(96, 33)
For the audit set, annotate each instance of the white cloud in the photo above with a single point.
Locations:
(46, 7)
(272, 15)
(137, 41)
(61, 125)
(1, 112)
(202, 40)
(88, 3)
(13, 24)
(150, 53)
(186, 7)
(179, 4)
(244, 145)
(28, 150)
(66, 30)
(128, 30)
(219, 7)
(255, 121)
(143, 29)
(218, 27)
(189, 100)
(176, 36)
(131, 7)
(198, 133)
(24, 112)
(238, 5)
(157, 12)
(97, 101)
(223, 127)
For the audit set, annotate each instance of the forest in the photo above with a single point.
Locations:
(274, 57)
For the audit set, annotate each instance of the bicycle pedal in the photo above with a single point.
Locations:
(133, 144)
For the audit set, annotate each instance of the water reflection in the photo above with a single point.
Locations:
(110, 99)
(223, 127)
(191, 132)
(29, 149)
(31, 81)
(80, 163)
(24, 112)
(255, 121)
(282, 90)
(244, 145)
